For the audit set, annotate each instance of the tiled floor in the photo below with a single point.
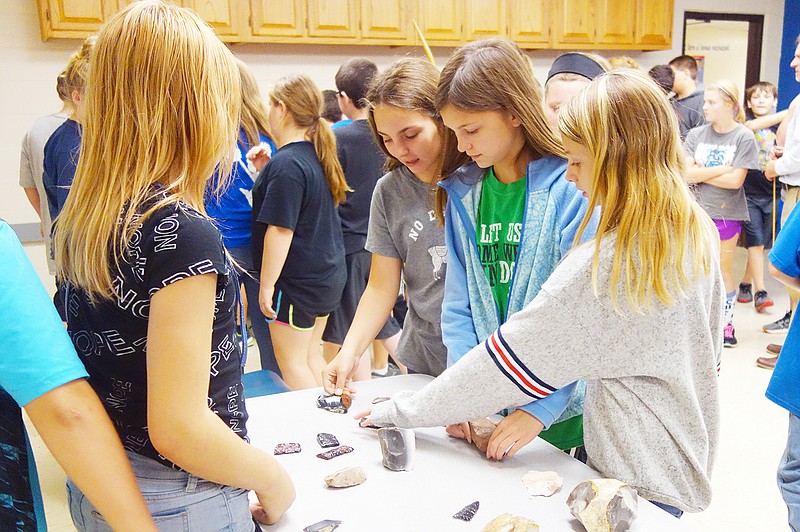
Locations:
(753, 433)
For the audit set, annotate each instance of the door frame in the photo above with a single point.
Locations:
(755, 35)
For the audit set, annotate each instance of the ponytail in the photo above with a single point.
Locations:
(304, 101)
(325, 145)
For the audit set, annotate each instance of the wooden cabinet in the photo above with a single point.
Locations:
(616, 21)
(529, 22)
(225, 16)
(574, 24)
(73, 18)
(277, 18)
(653, 24)
(332, 18)
(485, 18)
(557, 24)
(386, 20)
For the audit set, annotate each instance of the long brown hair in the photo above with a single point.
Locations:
(494, 75)
(303, 101)
(159, 111)
(409, 84)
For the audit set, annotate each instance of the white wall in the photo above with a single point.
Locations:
(31, 66)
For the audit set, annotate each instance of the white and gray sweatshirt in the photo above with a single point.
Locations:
(651, 416)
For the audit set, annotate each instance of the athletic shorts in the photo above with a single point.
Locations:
(358, 266)
(289, 314)
(728, 228)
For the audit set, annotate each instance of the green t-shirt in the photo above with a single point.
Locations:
(499, 226)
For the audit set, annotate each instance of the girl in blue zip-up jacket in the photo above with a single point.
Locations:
(510, 218)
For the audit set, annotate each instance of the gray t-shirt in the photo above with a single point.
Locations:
(31, 168)
(651, 416)
(402, 225)
(709, 148)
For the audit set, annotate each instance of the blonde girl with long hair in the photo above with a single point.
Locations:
(150, 291)
(510, 218)
(232, 208)
(297, 235)
(646, 295)
(62, 148)
(405, 239)
(718, 156)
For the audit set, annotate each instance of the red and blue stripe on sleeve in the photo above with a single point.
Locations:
(513, 368)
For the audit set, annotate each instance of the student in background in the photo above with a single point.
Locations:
(405, 239)
(297, 234)
(623, 61)
(664, 76)
(718, 156)
(786, 168)
(688, 101)
(40, 371)
(150, 289)
(569, 73)
(331, 111)
(760, 100)
(510, 218)
(645, 294)
(232, 207)
(63, 147)
(31, 162)
(362, 163)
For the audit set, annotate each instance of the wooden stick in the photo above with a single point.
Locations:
(424, 43)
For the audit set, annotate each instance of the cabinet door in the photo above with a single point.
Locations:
(654, 23)
(222, 15)
(277, 18)
(332, 18)
(385, 19)
(73, 18)
(574, 24)
(529, 21)
(615, 21)
(485, 18)
(440, 20)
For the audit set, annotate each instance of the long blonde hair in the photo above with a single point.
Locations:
(730, 92)
(159, 112)
(494, 75)
(409, 84)
(254, 120)
(628, 126)
(303, 101)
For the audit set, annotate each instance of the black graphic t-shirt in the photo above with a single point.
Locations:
(175, 242)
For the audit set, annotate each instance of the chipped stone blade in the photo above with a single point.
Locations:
(335, 403)
(328, 525)
(468, 511)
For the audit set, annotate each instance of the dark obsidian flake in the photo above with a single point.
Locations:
(335, 403)
(468, 512)
(326, 440)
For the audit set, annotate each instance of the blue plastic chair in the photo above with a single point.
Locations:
(262, 382)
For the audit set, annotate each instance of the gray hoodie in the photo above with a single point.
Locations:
(651, 415)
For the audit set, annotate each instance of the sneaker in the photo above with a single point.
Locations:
(390, 371)
(729, 337)
(774, 349)
(761, 300)
(745, 293)
(766, 362)
(778, 326)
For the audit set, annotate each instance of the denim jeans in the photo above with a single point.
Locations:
(250, 279)
(178, 501)
(789, 473)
